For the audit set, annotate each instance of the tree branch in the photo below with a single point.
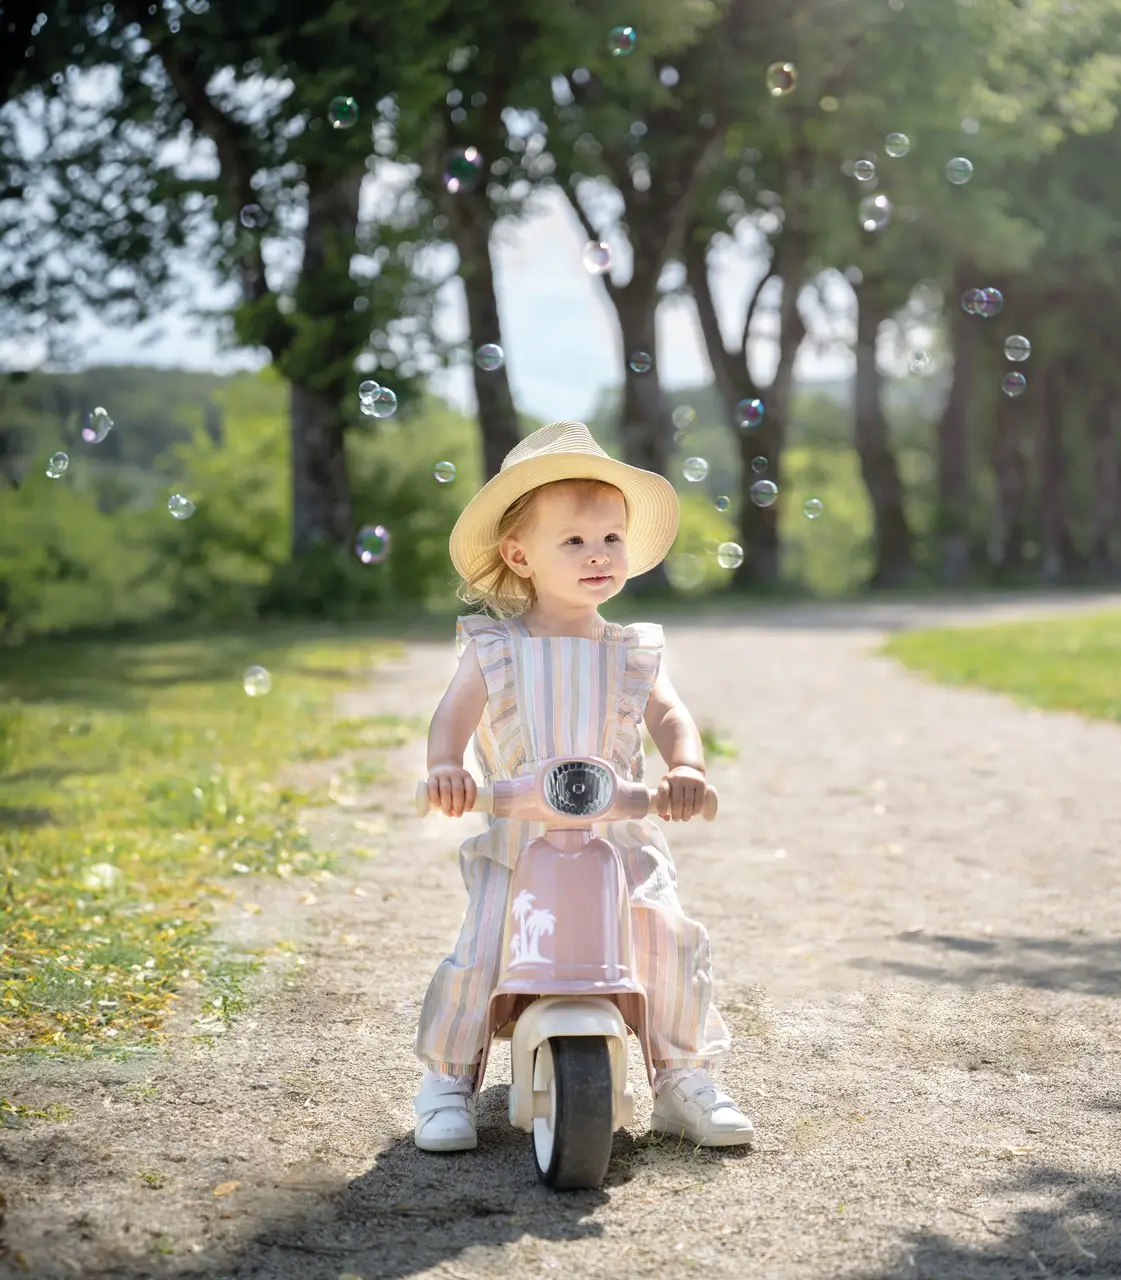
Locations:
(229, 139)
(590, 232)
(754, 303)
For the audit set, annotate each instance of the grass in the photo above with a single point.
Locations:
(137, 777)
(1061, 664)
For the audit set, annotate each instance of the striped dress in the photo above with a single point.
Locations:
(554, 696)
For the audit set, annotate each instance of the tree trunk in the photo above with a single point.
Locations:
(953, 517)
(644, 429)
(1104, 502)
(321, 512)
(759, 527)
(469, 216)
(1060, 557)
(894, 558)
(321, 507)
(1013, 418)
(733, 383)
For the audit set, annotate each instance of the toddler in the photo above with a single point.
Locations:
(557, 532)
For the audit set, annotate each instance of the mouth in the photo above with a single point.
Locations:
(598, 579)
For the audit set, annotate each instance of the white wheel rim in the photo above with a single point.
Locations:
(543, 1128)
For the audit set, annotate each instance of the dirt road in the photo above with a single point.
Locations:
(913, 895)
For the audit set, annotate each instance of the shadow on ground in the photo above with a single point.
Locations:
(410, 1212)
(1077, 1232)
(1090, 966)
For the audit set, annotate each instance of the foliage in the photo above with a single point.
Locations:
(65, 564)
(1063, 664)
(138, 777)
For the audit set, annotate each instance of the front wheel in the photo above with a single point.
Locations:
(572, 1144)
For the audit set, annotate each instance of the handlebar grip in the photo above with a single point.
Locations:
(484, 800)
(709, 806)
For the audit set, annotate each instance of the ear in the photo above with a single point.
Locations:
(512, 553)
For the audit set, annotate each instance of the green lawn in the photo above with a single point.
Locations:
(1063, 664)
(136, 778)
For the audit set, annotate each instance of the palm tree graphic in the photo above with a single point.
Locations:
(531, 925)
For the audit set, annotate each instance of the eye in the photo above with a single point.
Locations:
(575, 538)
(614, 537)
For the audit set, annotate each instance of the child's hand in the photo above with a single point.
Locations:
(681, 794)
(451, 789)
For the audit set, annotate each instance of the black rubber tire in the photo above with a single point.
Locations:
(582, 1128)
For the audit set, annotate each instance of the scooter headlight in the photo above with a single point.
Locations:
(578, 789)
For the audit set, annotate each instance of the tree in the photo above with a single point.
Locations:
(643, 141)
(268, 193)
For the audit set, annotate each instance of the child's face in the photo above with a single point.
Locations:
(575, 549)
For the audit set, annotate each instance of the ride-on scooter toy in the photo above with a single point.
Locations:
(567, 995)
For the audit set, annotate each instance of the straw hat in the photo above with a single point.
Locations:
(567, 451)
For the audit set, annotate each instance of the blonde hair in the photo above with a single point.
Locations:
(494, 585)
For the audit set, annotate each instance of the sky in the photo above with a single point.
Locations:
(558, 327)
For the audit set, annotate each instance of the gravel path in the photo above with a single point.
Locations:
(913, 895)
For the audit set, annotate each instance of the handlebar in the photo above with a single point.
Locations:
(484, 801)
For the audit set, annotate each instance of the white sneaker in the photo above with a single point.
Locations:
(691, 1105)
(445, 1109)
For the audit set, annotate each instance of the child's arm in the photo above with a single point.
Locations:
(675, 734)
(673, 729)
(454, 721)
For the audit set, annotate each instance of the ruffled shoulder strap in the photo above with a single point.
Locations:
(645, 644)
(492, 643)
(477, 627)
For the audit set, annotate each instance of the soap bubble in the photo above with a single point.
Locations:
(1017, 347)
(781, 78)
(723, 502)
(57, 464)
(384, 403)
(97, 427)
(685, 572)
(180, 507)
(812, 508)
(764, 493)
(749, 414)
(873, 213)
(641, 362)
(989, 304)
(253, 217)
(897, 144)
(257, 681)
(683, 417)
(919, 361)
(970, 300)
(489, 357)
(597, 257)
(864, 170)
(367, 390)
(462, 169)
(372, 543)
(621, 41)
(342, 112)
(694, 469)
(1013, 384)
(959, 170)
(729, 555)
(444, 472)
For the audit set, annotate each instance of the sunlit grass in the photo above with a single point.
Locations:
(134, 779)
(1063, 664)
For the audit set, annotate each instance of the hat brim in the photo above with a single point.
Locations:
(653, 508)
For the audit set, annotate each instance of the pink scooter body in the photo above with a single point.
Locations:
(567, 952)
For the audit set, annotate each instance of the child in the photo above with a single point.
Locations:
(557, 532)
